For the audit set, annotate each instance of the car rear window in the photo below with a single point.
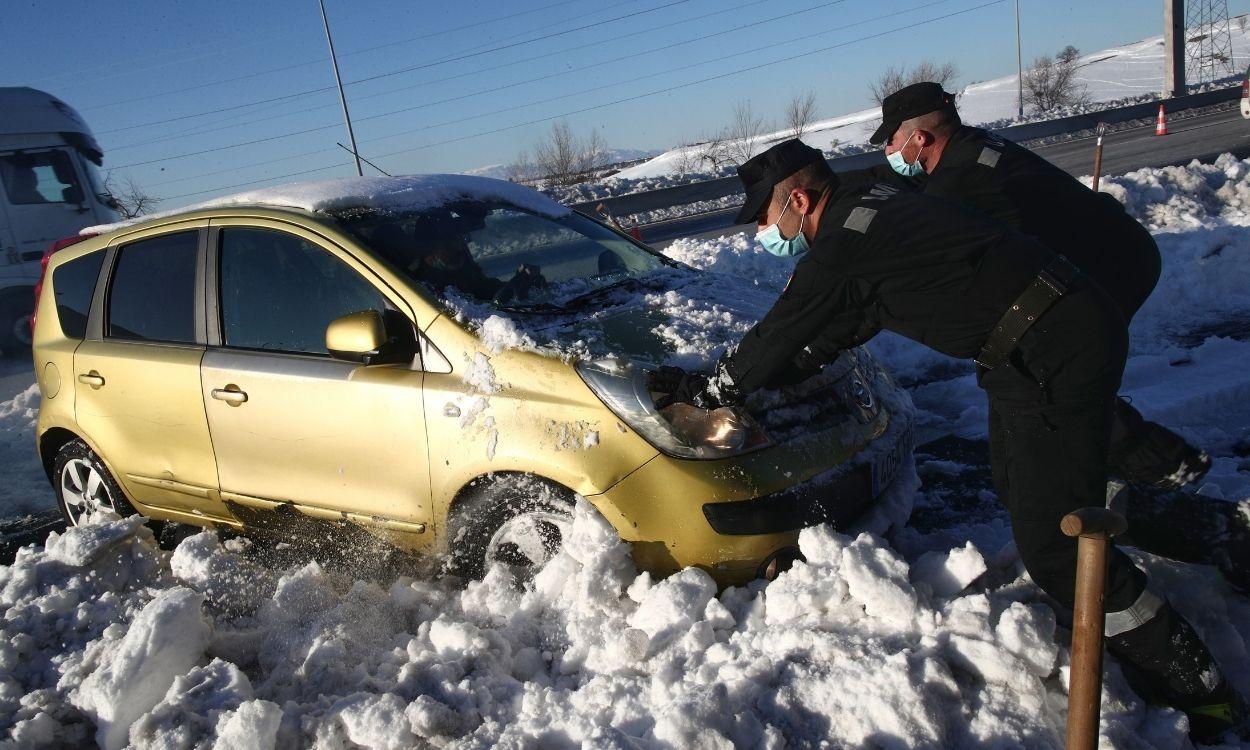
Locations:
(152, 297)
(73, 283)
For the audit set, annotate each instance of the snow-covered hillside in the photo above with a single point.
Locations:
(930, 637)
(1111, 76)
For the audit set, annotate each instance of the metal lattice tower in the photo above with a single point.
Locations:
(1209, 45)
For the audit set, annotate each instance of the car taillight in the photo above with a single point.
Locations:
(1245, 89)
(60, 244)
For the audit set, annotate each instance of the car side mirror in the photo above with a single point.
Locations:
(362, 337)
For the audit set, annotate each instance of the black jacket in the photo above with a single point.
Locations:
(886, 258)
(1011, 184)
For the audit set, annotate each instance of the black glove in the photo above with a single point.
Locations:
(803, 366)
(692, 388)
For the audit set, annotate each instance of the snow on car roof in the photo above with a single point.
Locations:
(407, 193)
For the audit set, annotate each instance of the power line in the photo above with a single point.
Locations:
(402, 70)
(636, 97)
(309, 92)
(567, 95)
(306, 131)
(568, 71)
(322, 59)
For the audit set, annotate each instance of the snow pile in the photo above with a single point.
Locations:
(107, 638)
(25, 486)
(411, 193)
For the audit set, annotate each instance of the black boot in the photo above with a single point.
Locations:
(1149, 453)
(1167, 664)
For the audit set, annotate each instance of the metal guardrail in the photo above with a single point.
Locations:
(651, 200)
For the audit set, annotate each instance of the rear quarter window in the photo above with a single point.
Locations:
(73, 284)
(152, 292)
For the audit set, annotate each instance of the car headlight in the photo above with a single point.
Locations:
(679, 430)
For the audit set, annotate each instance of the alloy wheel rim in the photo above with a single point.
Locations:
(526, 542)
(83, 491)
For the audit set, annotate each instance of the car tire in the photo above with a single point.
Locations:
(518, 520)
(82, 484)
(15, 333)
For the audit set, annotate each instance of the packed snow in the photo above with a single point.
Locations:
(928, 636)
(410, 193)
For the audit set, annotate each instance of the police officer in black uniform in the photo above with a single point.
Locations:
(927, 143)
(1052, 345)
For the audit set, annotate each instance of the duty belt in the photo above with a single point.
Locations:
(1051, 283)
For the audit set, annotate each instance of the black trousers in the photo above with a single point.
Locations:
(1052, 409)
(1140, 451)
(1051, 412)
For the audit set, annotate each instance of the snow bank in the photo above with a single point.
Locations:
(854, 645)
(1113, 77)
(410, 193)
(25, 486)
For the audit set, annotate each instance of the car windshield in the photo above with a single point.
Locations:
(499, 254)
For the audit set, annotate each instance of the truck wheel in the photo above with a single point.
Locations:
(517, 520)
(15, 335)
(84, 486)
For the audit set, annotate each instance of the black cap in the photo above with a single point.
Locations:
(762, 172)
(908, 102)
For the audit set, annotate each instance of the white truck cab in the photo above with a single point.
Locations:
(49, 189)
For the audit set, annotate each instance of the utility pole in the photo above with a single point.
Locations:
(1173, 48)
(1019, 68)
(335, 63)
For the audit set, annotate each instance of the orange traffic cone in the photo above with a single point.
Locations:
(1161, 128)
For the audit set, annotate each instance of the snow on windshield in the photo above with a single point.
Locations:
(410, 193)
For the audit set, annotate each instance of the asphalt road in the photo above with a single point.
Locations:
(1202, 137)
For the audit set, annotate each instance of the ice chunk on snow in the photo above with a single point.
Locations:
(877, 578)
(164, 640)
(948, 573)
(251, 726)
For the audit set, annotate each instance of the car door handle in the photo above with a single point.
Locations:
(231, 395)
(93, 379)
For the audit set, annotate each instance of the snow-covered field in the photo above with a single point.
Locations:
(930, 637)
(1115, 76)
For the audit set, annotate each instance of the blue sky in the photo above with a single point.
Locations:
(144, 61)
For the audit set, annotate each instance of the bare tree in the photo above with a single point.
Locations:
(895, 78)
(714, 151)
(1051, 83)
(562, 157)
(1068, 54)
(688, 157)
(521, 168)
(743, 132)
(127, 197)
(800, 112)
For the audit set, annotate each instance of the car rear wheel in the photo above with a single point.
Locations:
(15, 335)
(518, 521)
(84, 486)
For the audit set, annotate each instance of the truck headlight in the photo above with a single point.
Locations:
(679, 430)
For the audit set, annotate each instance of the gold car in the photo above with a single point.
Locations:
(445, 362)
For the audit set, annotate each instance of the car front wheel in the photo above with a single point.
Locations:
(84, 486)
(518, 521)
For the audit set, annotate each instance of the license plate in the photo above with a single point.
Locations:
(885, 469)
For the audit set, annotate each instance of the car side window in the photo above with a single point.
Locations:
(279, 292)
(152, 293)
(73, 283)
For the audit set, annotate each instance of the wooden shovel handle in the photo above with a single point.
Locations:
(1091, 521)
